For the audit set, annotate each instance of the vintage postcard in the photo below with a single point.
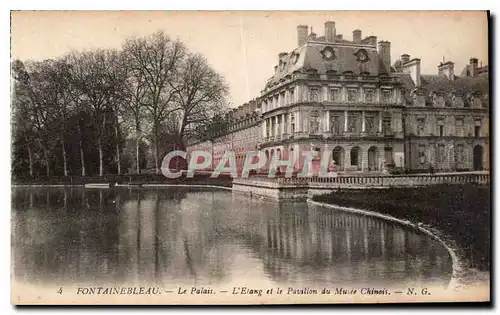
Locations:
(250, 157)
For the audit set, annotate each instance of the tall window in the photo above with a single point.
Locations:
(352, 95)
(477, 128)
(314, 123)
(421, 154)
(355, 156)
(440, 154)
(459, 127)
(388, 156)
(282, 99)
(291, 96)
(459, 153)
(387, 96)
(352, 123)
(314, 94)
(420, 126)
(386, 126)
(440, 123)
(336, 125)
(370, 124)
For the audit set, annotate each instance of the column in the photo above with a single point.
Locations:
(345, 121)
(298, 125)
(380, 122)
(327, 121)
(306, 122)
(324, 94)
(271, 127)
(276, 126)
(264, 123)
(363, 123)
(282, 125)
(298, 93)
(289, 124)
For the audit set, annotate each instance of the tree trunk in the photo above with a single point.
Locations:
(137, 147)
(81, 150)
(30, 155)
(99, 144)
(101, 166)
(30, 158)
(157, 166)
(64, 156)
(118, 163)
(47, 162)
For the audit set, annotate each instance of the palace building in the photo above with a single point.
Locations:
(371, 114)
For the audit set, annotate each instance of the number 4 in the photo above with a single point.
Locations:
(60, 290)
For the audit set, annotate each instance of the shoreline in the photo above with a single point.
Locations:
(460, 268)
(121, 185)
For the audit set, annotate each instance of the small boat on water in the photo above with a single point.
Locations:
(97, 185)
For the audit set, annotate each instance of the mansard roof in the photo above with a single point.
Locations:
(460, 85)
(311, 57)
(408, 84)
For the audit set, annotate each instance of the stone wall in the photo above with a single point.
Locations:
(301, 188)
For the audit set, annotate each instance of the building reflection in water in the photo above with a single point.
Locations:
(203, 237)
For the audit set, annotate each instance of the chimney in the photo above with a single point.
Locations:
(329, 31)
(356, 36)
(473, 67)
(301, 34)
(447, 69)
(405, 58)
(372, 40)
(339, 37)
(384, 52)
(412, 67)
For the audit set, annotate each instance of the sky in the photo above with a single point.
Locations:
(244, 45)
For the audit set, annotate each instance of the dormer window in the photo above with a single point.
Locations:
(362, 56)
(328, 53)
(282, 65)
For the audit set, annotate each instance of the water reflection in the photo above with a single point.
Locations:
(196, 237)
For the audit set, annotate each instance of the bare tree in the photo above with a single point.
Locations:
(93, 75)
(21, 104)
(201, 95)
(155, 60)
(58, 75)
(134, 105)
(43, 92)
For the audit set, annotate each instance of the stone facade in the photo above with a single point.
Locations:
(344, 97)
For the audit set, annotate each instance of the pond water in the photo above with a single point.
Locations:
(195, 236)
